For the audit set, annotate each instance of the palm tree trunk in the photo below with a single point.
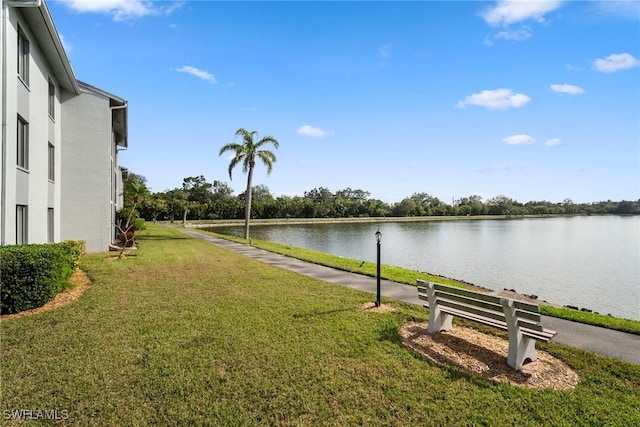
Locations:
(247, 209)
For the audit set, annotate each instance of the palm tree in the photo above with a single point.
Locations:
(246, 153)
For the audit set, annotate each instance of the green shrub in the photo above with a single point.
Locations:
(75, 248)
(33, 274)
(139, 224)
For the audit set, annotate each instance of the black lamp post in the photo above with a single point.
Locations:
(378, 239)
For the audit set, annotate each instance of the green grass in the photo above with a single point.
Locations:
(402, 275)
(183, 332)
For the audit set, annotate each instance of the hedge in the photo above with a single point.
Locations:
(31, 275)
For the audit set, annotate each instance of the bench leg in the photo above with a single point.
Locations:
(521, 347)
(438, 320)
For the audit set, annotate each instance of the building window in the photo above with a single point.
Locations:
(52, 99)
(50, 224)
(22, 222)
(23, 143)
(23, 57)
(52, 162)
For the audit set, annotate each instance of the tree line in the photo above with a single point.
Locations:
(199, 199)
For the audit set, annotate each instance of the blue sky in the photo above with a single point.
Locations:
(531, 100)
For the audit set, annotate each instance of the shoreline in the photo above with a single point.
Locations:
(505, 292)
(364, 220)
(407, 278)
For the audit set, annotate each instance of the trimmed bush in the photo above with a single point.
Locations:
(75, 248)
(31, 275)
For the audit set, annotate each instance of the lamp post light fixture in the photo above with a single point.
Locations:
(378, 240)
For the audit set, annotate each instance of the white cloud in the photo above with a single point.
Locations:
(507, 12)
(308, 130)
(497, 99)
(519, 140)
(565, 88)
(513, 35)
(616, 62)
(169, 9)
(385, 50)
(553, 142)
(204, 75)
(122, 9)
(517, 35)
(626, 9)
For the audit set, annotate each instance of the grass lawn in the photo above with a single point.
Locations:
(401, 275)
(185, 333)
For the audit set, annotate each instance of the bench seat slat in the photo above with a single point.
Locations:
(543, 334)
(476, 318)
(527, 315)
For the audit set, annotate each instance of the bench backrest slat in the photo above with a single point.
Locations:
(499, 316)
(529, 315)
(525, 306)
(526, 310)
(484, 305)
(464, 299)
(534, 326)
(467, 293)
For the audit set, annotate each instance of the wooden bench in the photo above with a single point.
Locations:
(520, 319)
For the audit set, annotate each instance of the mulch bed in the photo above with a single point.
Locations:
(485, 356)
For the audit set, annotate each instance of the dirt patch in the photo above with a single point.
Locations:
(485, 356)
(384, 308)
(80, 283)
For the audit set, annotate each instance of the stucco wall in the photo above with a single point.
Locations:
(80, 130)
(86, 170)
(29, 186)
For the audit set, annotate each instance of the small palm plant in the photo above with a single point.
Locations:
(135, 192)
(245, 153)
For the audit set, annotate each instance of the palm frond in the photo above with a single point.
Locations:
(247, 136)
(248, 150)
(230, 147)
(237, 159)
(267, 158)
(268, 140)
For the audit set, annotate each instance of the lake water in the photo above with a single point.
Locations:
(591, 262)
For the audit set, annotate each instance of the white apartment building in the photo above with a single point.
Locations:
(59, 176)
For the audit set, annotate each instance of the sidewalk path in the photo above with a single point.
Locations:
(599, 340)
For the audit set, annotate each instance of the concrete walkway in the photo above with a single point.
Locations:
(602, 341)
